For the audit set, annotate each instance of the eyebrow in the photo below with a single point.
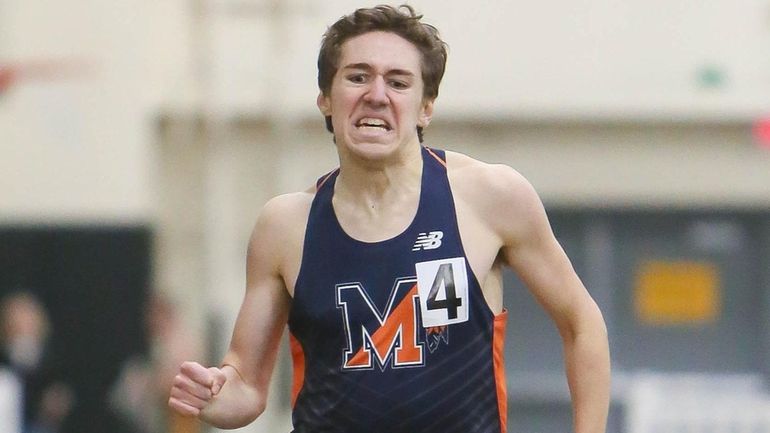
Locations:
(368, 67)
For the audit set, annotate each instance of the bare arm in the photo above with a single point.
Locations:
(235, 394)
(532, 251)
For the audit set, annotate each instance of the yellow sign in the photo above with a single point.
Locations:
(677, 292)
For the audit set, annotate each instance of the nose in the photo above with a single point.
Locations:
(377, 92)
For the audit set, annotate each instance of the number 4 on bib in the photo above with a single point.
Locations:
(443, 288)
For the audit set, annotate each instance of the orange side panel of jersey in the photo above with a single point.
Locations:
(298, 358)
(498, 343)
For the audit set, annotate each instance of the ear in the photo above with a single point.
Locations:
(426, 113)
(324, 104)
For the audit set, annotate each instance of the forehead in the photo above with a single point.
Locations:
(381, 50)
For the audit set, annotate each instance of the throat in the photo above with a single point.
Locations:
(377, 203)
(376, 220)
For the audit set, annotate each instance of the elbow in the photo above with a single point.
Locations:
(594, 322)
(586, 321)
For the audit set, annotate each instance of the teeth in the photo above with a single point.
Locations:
(368, 121)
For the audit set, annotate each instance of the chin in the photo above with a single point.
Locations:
(372, 149)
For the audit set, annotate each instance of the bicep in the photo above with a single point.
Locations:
(547, 272)
(534, 254)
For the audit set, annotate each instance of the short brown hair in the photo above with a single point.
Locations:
(402, 21)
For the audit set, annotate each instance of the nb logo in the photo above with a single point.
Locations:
(428, 241)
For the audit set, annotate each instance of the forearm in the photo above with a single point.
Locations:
(236, 405)
(587, 363)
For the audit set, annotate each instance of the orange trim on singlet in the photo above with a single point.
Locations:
(433, 154)
(498, 343)
(298, 358)
(323, 181)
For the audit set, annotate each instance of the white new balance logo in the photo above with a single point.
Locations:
(428, 241)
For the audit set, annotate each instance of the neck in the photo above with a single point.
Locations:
(376, 183)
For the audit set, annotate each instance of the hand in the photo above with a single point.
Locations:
(194, 388)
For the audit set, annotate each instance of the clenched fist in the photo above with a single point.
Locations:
(194, 388)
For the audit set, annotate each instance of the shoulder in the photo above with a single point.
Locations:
(484, 182)
(287, 209)
(496, 193)
(280, 226)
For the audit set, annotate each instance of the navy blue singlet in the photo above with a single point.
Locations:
(394, 336)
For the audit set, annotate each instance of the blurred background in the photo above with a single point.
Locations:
(138, 141)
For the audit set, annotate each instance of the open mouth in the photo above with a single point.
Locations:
(372, 123)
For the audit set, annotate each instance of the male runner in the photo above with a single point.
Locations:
(388, 270)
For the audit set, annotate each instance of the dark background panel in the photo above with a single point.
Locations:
(94, 284)
(607, 247)
(727, 344)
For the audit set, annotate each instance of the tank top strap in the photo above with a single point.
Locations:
(323, 179)
(437, 154)
(437, 206)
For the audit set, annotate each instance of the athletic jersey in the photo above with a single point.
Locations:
(394, 336)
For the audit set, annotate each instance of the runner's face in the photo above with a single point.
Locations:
(376, 98)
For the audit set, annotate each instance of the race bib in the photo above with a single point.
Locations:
(443, 289)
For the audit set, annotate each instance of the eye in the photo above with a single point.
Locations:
(397, 84)
(357, 78)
